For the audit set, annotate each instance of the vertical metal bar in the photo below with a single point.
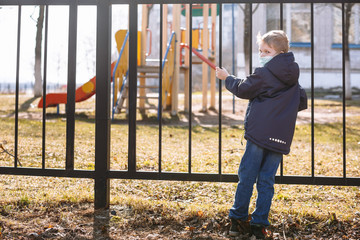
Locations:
(233, 48)
(344, 46)
(102, 117)
(312, 94)
(133, 29)
(17, 88)
(71, 85)
(190, 89)
(160, 86)
(220, 90)
(44, 86)
(281, 27)
(251, 37)
(281, 16)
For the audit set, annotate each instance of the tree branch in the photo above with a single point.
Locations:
(242, 8)
(257, 6)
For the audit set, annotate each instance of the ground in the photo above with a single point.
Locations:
(299, 212)
(80, 221)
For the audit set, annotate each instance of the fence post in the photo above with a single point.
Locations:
(102, 128)
(71, 83)
(133, 29)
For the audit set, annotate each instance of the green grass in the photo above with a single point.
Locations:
(187, 197)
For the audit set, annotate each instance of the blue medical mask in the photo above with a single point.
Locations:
(264, 60)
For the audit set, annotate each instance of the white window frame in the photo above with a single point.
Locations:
(289, 11)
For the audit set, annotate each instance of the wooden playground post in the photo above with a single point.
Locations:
(144, 25)
(164, 46)
(187, 60)
(165, 29)
(205, 48)
(175, 81)
(213, 56)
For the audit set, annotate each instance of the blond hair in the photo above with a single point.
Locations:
(276, 39)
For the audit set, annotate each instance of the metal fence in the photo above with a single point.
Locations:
(102, 173)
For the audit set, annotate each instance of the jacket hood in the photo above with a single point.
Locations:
(284, 68)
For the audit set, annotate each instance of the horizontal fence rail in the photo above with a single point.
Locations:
(102, 173)
(136, 2)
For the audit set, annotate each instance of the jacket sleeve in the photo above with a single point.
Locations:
(247, 88)
(303, 100)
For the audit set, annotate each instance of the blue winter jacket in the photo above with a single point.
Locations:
(275, 99)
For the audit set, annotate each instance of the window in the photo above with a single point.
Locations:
(272, 16)
(297, 22)
(354, 31)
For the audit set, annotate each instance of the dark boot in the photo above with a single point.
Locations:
(239, 227)
(259, 231)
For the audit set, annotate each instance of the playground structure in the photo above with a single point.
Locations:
(175, 61)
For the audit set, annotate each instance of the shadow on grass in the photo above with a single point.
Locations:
(211, 118)
(27, 104)
(24, 106)
(101, 224)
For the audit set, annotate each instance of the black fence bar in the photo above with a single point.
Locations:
(174, 176)
(71, 85)
(344, 52)
(281, 16)
(47, 172)
(17, 88)
(94, 2)
(335, 181)
(312, 92)
(250, 35)
(160, 86)
(46, 12)
(190, 90)
(212, 1)
(220, 90)
(281, 28)
(282, 159)
(170, 176)
(233, 47)
(103, 82)
(133, 28)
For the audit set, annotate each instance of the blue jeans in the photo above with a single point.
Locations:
(257, 165)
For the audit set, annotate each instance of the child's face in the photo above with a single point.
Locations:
(266, 51)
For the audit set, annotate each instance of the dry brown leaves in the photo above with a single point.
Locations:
(80, 221)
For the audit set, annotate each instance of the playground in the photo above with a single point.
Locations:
(174, 64)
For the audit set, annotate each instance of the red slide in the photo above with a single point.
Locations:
(84, 92)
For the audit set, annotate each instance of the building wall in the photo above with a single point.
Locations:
(327, 59)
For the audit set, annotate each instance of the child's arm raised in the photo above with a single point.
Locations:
(221, 73)
(247, 88)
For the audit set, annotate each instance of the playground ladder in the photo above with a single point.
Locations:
(145, 92)
(148, 92)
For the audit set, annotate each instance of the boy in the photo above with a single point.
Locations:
(275, 97)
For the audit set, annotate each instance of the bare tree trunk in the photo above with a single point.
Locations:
(38, 43)
(247, 37)
(348, 94)
(246, 42)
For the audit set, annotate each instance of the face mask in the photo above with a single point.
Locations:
(264, 60)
